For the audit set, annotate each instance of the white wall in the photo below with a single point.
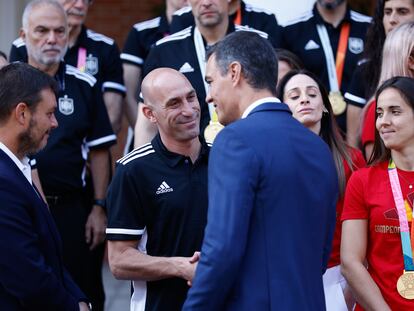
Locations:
(285, 10)
(10, 22)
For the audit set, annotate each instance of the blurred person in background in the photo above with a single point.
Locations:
(388, 15)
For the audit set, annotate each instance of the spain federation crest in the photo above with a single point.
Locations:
(66, 106)
(356, 45)
(91, 65)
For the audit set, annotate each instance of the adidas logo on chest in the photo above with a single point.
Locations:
(164, 188)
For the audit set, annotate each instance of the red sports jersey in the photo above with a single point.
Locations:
(358, 162)
(369, 196)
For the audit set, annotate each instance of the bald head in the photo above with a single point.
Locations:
(159, 83)
(171, 103)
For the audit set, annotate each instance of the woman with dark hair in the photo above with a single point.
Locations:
(287, 61)
(377, 230)
(388, 15)
(309, 102)
(397, 60)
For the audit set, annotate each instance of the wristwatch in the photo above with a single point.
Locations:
(100, 202)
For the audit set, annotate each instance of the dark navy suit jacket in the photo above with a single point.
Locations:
(272, 196)
(32, 276)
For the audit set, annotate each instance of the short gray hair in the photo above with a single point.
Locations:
(37, 3)
(255, 54)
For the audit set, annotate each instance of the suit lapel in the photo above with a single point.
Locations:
(34, 194)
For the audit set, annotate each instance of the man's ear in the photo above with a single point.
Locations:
(235, 72)
(148, 113)
(22, 34)
(411, 63)
(22, 113)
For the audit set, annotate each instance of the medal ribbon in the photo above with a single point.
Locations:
(335, 69)
(402, 216)
(238, 18)
(81, 59)
(201, 57)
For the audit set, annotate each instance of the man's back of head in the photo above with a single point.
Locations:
(255, 55)
(241, 69)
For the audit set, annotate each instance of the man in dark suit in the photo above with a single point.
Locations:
(272, 192)
(32, 276)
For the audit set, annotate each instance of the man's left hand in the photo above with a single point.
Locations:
(95, 227)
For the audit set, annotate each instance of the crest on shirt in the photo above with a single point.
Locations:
(91, 65)
(356, 45)
(66, 105)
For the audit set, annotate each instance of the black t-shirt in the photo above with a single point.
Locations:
(301, 37)
(102, 58)
(178, 51)
(83, 125)
(251, 16)
(141, 37)
(160, 198)
(357, 91)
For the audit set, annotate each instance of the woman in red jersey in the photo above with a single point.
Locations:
(397, 60)
(377, 231)
(309, 102)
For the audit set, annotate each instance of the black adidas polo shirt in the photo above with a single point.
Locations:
(251, 16)
(301, 37)
(102, 59)
(83, 125)
(178, 51)
(141, 37)
(159, 198)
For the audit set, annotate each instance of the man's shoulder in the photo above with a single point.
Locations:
(183, 11)
(147, 25)
(179, 37)
(250, 8)
(19, 43)
(302, 20)
(79, 76)
(251, 29)
(357, 17)
(98, 38)
(137, 157)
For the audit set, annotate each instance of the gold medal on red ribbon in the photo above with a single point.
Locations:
(211, 131)
(337, 102)
(405, 285)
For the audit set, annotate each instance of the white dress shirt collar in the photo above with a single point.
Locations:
(258, 103)
(24, 165)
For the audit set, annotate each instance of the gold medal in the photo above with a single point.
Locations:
(405, 285)
(337, 102)
(211, 131)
